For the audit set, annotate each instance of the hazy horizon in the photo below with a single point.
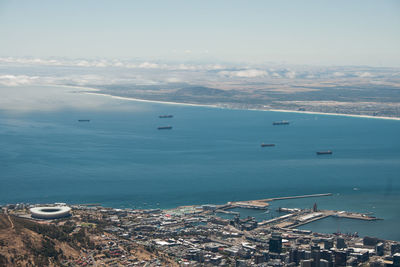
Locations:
(339, 33)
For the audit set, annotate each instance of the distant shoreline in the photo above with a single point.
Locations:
(224, 107)
(336, 114)
(152, 101)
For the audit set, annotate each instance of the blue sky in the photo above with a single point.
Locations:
(360, 32)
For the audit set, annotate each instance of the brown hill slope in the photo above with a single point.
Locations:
(26, 243)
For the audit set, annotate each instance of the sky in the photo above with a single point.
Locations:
(341, 32)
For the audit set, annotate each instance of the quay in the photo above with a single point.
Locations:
(227, 212)
(276, 219)
(251, 204)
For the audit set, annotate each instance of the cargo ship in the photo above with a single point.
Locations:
(83, 120)
(265, 145)
(280, 123)
(327, 152)
(164, 128)
(165, 116)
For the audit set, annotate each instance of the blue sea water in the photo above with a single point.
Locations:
(211, 155)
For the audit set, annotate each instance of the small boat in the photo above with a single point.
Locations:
(327, 152)
(165, 116)
(280, 123)
(266, 145)
(164, 128)
(83, 120)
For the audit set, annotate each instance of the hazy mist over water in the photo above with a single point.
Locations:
(211, 155)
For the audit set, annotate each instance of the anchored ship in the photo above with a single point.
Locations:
(165, 116)
(280, 123)
(164, 128)
(327, 152)
(83, 120)
(264, 145)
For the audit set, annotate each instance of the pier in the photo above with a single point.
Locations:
(294, 197)
(263, 203)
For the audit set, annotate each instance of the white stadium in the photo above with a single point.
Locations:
(50, 212)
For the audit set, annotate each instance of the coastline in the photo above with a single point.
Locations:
(336, 114)
(152, 101)
(94, 90)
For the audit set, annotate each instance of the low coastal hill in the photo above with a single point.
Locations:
(25, 243)
(66, 242)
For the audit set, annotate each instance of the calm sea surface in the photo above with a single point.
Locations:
(211, 155)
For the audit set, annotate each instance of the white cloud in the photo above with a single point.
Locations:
(215, 67)
(185, 67)
(338, 74)
(250, 73)
(290, 74)
(148, 65)
(50, 98)
(83, 63)
(364, 74)
(173, 80)
(118, 64)
(102, 63)
(16, 80)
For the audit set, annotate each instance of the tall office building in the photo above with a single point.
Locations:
(340, 243)
(396, 260)
(380, 249)
(315, 255)
(275, 243)
(340, 258)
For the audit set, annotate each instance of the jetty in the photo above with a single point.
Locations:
(264, 203)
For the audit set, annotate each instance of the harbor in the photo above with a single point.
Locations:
(200, 236)
(293, 217)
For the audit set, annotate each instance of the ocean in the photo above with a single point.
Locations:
(211, 155)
